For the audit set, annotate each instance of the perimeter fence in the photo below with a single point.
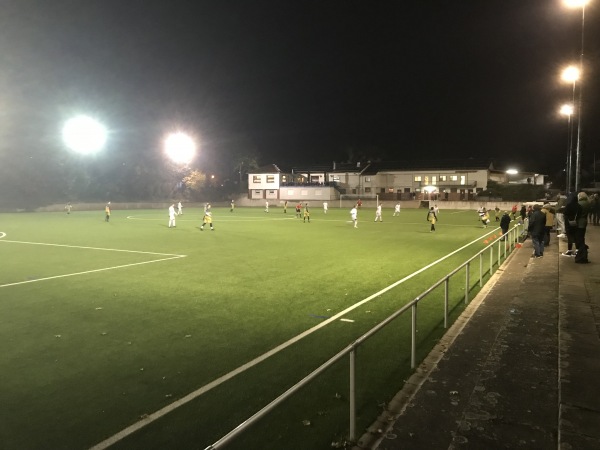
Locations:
(484, 263)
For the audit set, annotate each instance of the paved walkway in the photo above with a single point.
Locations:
(519, 370)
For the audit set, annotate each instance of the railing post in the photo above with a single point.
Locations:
(352, 394)
(413, 344)
(499, 252)
(467, 270)
(446, 295)
(480, 270)
(491, 260)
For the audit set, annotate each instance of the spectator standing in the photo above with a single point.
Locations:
(549, 211)
(523, 213)
(570, 214)
(537, 230)
(504, 224)
(514, 211)
(583, 209)
(561, 201)
(594, 208)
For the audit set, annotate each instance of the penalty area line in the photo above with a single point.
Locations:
(95, 248)
(91, 271)
(228, 376)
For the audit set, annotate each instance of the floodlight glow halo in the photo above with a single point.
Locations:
(570, 74)
(83, 134)
(180, 147)
(566, 109)
(429, 189)
(512, 171)
(575, 3)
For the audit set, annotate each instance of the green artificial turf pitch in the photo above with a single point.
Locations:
(104, 323)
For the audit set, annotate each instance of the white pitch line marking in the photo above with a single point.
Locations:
(207, 387)
(94, 248)
(91, 271)
(169, 256)
(346, 320)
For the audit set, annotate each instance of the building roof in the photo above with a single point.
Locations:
(448, 164)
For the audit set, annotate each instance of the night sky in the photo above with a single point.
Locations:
(300, 82)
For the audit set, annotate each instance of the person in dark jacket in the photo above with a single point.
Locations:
(570, 214)
(504, 224)
(537, 230)
(583, 209)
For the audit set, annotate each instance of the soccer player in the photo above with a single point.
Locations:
(325, 206)
(267, 206)
(306, 213)
(378, 213)
(232, 205)
(431, 218)
(354, 215)
(285, 207)
(298, 209)
(172, 215)
(179, 209)
(107, 212)
(397, 209)
(207, 219)
(68, 208)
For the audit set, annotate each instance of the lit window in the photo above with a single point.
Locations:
(256, 179)
(270, 178)
(417, 177)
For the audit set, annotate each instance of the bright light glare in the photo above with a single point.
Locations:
(570, 74)
(576, 3)
(429, 189)
(566, 109)
(84, 135)
(512, 171)
(180, 148)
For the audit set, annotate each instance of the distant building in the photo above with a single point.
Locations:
(395, 180)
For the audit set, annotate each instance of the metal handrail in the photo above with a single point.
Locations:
(512, 238)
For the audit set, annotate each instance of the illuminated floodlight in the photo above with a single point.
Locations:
(83, 134)
(575, 3)
(180, 148)
(512, 171)
(570, 74)
(566, 109)
(429, 189)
